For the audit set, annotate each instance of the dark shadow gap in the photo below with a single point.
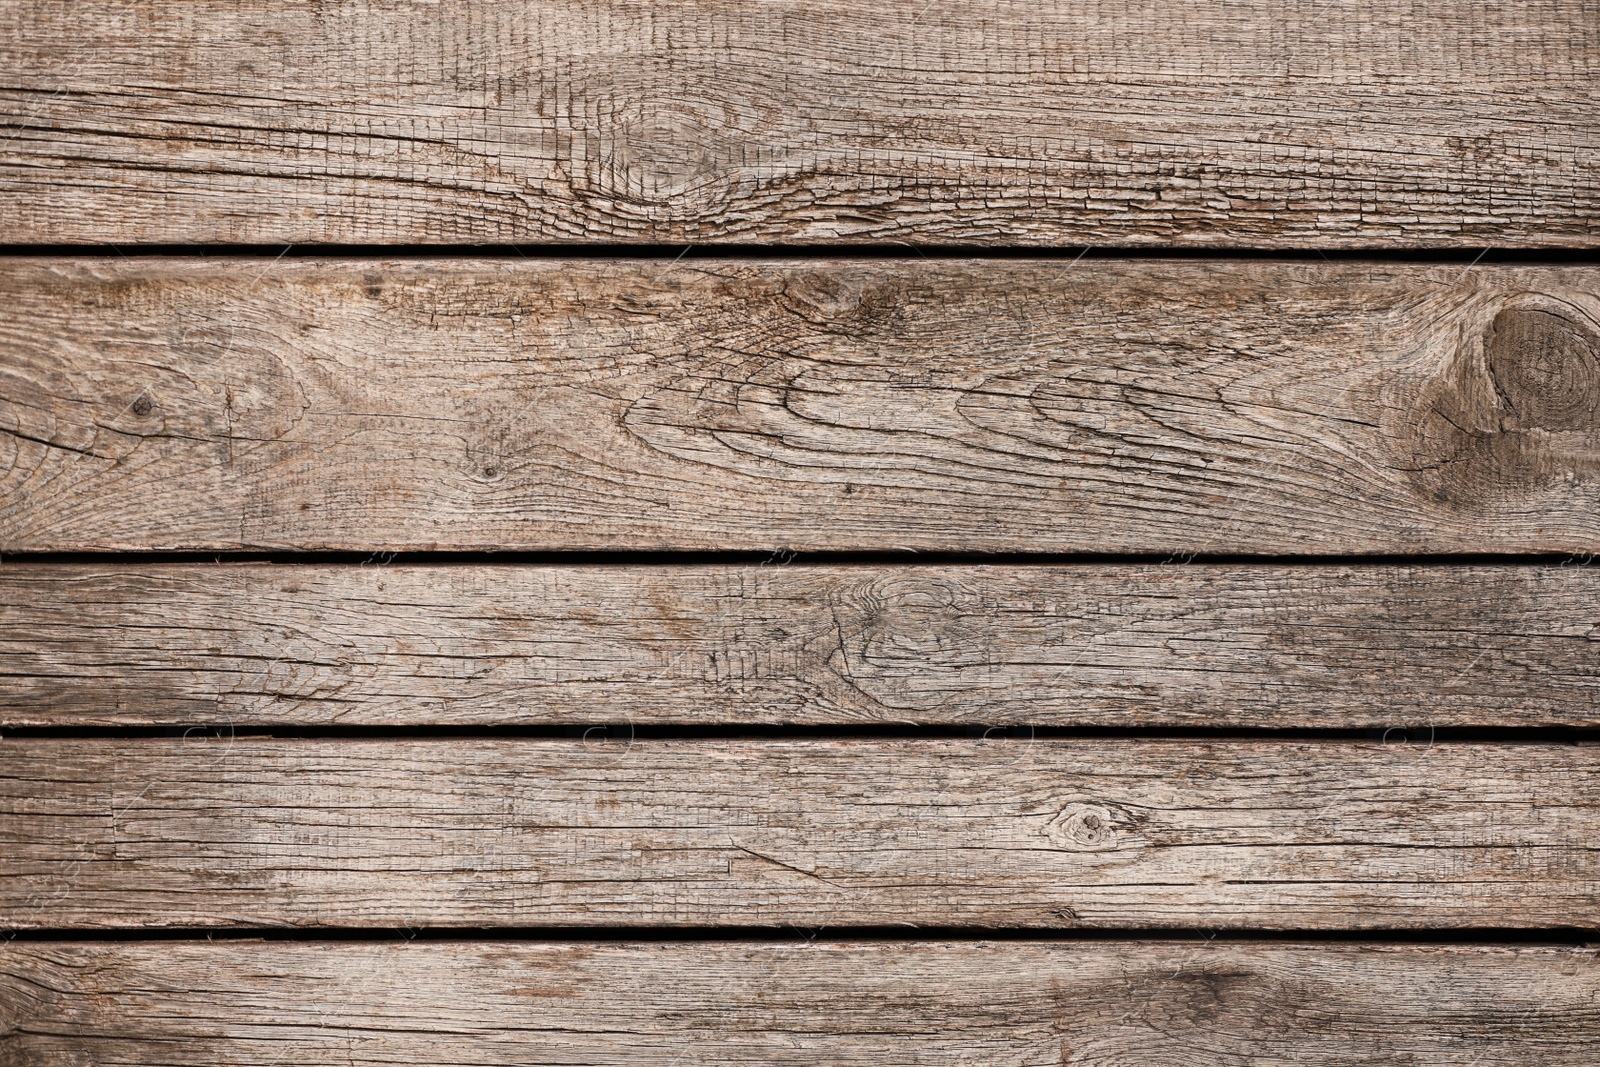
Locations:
(901, 934)
(787, 558)
(876, 250)
(614, 733)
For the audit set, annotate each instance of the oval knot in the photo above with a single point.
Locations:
(1084, 828)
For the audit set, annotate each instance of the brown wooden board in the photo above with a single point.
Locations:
(1124, 405)
(525, 832)
(1262, 123)
(1102, 644)
(496, 1004)
(1005, 469)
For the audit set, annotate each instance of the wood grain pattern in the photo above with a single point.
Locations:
(1273, 123)
(501, 832)
(933, 1004)
(1118, 645)
(1155, 406)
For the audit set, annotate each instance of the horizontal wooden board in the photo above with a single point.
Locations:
(869, 1004)
(1118, 645)
(1124, 405)
(525, 832)
(1061, 122)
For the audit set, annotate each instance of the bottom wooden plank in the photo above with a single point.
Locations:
(1154, 1004)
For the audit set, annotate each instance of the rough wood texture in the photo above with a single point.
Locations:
(937, 1004)
(1173, 406)
(1197, 645)
(1252, 122)
(156, 832)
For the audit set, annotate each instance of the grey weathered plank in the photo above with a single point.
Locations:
(1112, 644)
(1249, 122)
(496, 1004)
(1159, 406)
(515, 832)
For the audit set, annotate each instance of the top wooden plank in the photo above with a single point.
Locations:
(1265, 123)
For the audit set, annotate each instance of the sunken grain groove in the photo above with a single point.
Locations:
(1233, 646)
(1332, 123)
(1151, 406)
(128, 833)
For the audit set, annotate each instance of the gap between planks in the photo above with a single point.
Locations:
(700, 253)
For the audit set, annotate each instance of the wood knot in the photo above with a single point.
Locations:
(662, 154)
(1087, 828)
(908, 625)
(1545, 370)
(650, 145)
(1515, 412)
(823, 298)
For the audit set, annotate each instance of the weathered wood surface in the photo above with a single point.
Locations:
(1195, 645)
(871, 1004)
(1161, 406)
(1264, 123)
(502, 832)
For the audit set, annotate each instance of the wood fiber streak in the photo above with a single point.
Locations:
(1118, 645)
(932, 1004)
(496, 832)
(1110, 406)
(1270, 123)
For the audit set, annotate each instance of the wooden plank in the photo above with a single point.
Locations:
(1145, 405)
(1112, 645)
(951, 1004)
(1061, 122)
(523, 832)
